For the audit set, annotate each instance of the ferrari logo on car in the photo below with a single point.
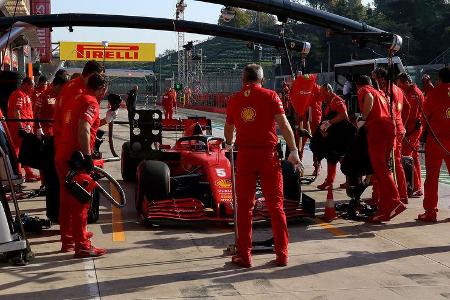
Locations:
(448, 113)
(223, 183)
(248, 114)
(247, 93)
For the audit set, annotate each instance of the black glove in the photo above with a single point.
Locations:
(88, 163)
(418, 124)
(22, 132)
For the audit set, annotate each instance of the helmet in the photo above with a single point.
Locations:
(197, 129)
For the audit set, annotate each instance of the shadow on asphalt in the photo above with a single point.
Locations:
(220, 276)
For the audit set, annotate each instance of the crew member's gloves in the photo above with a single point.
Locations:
(111, 115)
(325, 125)
(360, 123)
(229, 147)
(295, 160)
(39, 133)
(88, 163)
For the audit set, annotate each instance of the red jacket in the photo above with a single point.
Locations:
(437, 110)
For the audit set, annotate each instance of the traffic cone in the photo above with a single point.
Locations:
(330, 210)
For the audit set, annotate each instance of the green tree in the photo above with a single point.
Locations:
(242, 19)
(425, 23)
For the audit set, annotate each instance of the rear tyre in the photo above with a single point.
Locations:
(128, 164)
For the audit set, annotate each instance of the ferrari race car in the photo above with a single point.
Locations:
(191, 181)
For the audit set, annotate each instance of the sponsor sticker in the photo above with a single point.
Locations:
(223, 183)
(248, 114)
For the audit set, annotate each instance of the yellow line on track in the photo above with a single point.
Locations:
(330, 228)
(118, 235)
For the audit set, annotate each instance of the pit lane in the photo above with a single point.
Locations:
(402, 259)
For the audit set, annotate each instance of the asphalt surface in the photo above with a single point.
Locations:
(403, 259)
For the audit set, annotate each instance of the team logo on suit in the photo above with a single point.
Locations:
(248, 114)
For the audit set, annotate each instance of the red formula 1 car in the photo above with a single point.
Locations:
(191, 181)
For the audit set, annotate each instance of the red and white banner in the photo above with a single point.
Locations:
(42, 7)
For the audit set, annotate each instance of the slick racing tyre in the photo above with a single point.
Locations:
(154, 179)
(128, 164)
(94, 209)
(291, 181)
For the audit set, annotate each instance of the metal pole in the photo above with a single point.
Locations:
(160, 75)
(329, 56)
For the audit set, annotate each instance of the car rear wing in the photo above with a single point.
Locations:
(186, 125)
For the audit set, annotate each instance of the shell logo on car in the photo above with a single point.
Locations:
(223, 183)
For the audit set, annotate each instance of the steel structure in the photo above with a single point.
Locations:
(99, 20)
(181, 76)
(194, 68)
(197, 81)
(285, 9)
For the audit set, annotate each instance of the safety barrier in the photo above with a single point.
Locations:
(211, 102)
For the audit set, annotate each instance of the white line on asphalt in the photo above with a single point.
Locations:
(91, 278)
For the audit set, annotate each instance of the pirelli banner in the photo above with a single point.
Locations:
(112, 52)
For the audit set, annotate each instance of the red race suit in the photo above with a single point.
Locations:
(73, 213)
(168, 103)
(45, 109)
(335, 104)
(380, 139)
(252, 112)
(427, 87)
(314, 114)
(19, 101)
(36, 94)
(398, 102)
(437, 111)
(415, 99)
(68, 93)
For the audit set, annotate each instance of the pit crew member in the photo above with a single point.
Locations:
(334, 106)
(45, 105)
(68, 93)
(20, 106)
(253, 112)
(38, 90)
(427, 84)
(437, 112)
(413, 126)
(80, 121)
(131, 103)
(380, 138)
(168, 104)
(381, 76)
